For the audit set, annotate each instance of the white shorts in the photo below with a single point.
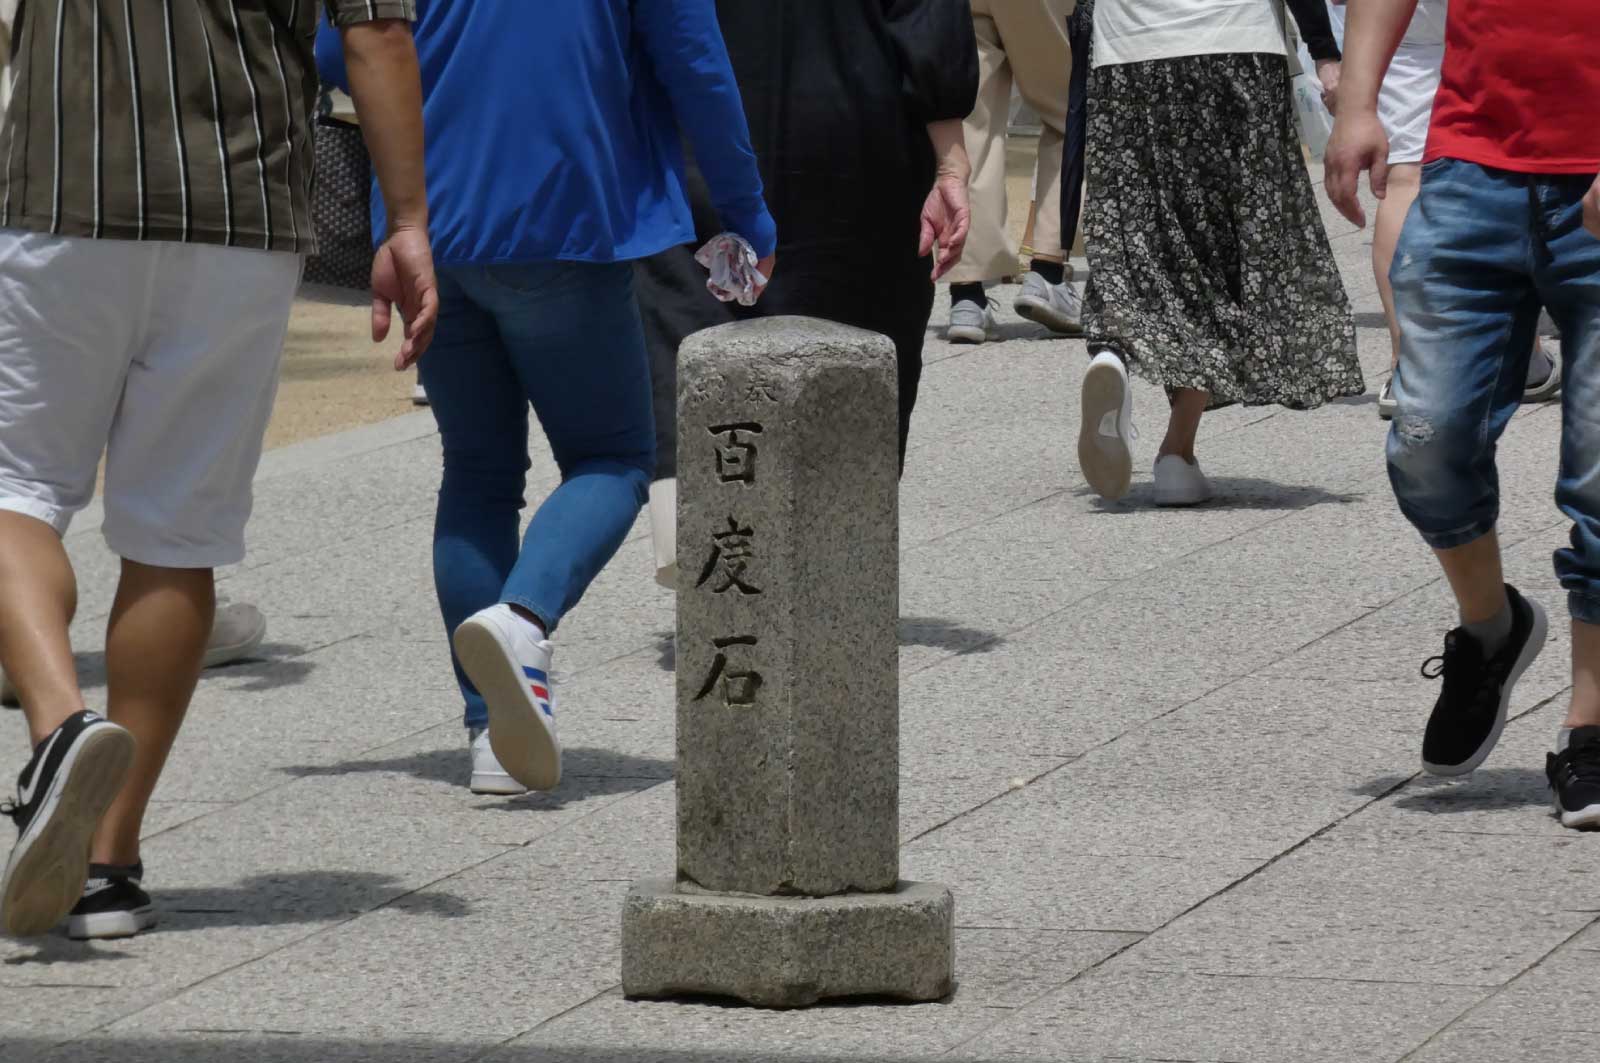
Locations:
(1405, 101)
(162, 356)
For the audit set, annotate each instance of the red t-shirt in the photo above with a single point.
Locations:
(1521, 86)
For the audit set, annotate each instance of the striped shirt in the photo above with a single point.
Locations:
(183, 120)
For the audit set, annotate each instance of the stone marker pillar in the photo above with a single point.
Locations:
(788, 887)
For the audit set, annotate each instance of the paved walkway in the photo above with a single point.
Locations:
(1167, 761)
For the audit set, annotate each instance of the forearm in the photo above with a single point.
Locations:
(950, 148)
(381, 64)
(1373, 30)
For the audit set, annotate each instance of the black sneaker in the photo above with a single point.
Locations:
(66, 788)
(1574, 775)
(114, 904)
(1471, 710)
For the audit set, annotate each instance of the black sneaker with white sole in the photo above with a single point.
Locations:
(114, 904)
(62, 794)
(1574, 775)
(1471, 710)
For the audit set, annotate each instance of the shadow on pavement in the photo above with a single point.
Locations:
(1485, 790)
(1232, 492)
(937, 632)
(263, 900)
(587, 771)
(274, 666)
(281, 1047)
(942, 634)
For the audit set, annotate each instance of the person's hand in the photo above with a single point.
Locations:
(402, 275)
(1358, 144)
(1591, 210)
(1328, 71)
(946, 219)
(765, 268)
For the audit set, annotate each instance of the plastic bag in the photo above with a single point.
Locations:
(732, 262)
(1316, 124)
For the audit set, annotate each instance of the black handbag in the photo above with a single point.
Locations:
(341, 207)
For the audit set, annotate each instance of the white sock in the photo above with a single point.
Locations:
(1563, 739)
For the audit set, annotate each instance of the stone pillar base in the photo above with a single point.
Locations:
(787, 952)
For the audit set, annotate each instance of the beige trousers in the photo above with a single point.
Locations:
(1021, 42)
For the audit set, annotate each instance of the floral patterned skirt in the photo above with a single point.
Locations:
(1209, 264)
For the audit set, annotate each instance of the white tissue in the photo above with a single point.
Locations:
(732, 262)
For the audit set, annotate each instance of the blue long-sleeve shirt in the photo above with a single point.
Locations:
(553, 128)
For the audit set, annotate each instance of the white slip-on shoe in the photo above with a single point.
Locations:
(664, 531)
(510, 666)
(237, 632)
(1387, 406)
(488, 777)
(1180, 484)
(1106, 433)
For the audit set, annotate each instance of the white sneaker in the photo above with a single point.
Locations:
(970, 322)
(419, 395)
(1180, 484)
(237, 632)
(488, 777)
(1057, 307)
(510, 666)
(1106, 434)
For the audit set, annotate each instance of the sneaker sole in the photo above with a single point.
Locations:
(106, 925)
(966, 334)
(1583, 818)
(1546, 391)
(496, 785)
(1106, 461)
(48, 867)
(1536, 639)
(521, 742)
(1042, 313)
(1175, 501)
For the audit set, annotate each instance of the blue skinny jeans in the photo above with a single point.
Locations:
(565, 339)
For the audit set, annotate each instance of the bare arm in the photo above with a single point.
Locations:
(947, 214)
(1373, 30)
(381, 60)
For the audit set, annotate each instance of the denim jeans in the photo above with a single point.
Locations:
(1481, 252)
(565, 338)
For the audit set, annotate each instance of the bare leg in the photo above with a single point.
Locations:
(1476, 578)
(157, 637)
(1585, 708)
(1405, 180)
(40, 597)
(1188, 406)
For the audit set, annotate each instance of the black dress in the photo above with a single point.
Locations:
(839, 94)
